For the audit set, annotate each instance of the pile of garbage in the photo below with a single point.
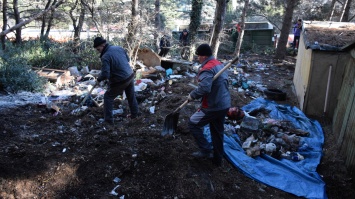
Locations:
(262, 135)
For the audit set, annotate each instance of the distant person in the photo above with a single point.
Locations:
(116, 68)
(164, 46)
(184, 38)
(215, 103)
(297, 29)
(184, 43)
(235, 35)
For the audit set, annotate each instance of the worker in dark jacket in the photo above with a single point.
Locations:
(116, 68)
(215, 103)
(184, 38)
(164, 46)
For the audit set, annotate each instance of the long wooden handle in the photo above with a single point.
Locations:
(225, 68)
(215, 77)
(180, 107)
(86, 97)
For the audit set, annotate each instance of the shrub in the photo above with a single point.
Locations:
(16, 75)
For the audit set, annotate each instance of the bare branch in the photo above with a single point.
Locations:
(31, 19)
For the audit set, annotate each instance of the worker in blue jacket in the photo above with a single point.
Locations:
(116, 68)
(215, 103)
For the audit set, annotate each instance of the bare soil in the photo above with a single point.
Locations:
(70, 156)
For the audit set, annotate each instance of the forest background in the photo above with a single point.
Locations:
(134, 24)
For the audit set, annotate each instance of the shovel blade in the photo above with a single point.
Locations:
(170, 124)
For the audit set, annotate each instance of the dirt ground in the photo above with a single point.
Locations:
(69, 156)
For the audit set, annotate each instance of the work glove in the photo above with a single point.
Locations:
(189, 98)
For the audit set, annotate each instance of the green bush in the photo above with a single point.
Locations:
(16, 75)
(88, 56)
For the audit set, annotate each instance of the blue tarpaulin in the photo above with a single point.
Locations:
(297, 177)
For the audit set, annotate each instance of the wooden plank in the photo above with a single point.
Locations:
(347, 133)
(49, 73)
(347, 114)
(343, 97)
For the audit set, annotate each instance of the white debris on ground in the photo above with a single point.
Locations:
(19, 99)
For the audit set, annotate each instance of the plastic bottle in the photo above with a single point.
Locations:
(292, 156)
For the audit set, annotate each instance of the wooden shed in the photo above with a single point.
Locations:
(344, 117)
(258, 33)
(320, 65)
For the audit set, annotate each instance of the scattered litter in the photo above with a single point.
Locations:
(95, 73)
(78, 122)
(159, 68)
(55, 144)
(292, 156)
(169, 72)
(74, 71)
(117, 180)
(117, 111)
(176, 76)
(140, 87)
(113, 192)
(152, 109)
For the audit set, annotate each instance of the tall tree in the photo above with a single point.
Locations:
(91, 6)
(195, 22)
(17, 17)
(78, 21)
(131, 43)
(47, 19)
(220, 13)
(242, 24)
(4, 23)
(157, 23)
(285, 30)
(30, 19)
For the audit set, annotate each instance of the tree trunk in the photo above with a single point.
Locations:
(195, 22)
(77, 23)
(44, 17)
(242, 24)
(132, 45)
(132, 27)
(157, 24)
(220, 13)
(17, 17)
(50, 21)
(285, 30)
(4, 22)
(91, 7)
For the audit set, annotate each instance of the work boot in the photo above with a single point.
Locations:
(222, 165)
(202, 154)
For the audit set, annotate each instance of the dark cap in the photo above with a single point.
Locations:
(204, 50)
(98, 41)
(184, 30)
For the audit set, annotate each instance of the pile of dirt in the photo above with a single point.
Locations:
(76, 156)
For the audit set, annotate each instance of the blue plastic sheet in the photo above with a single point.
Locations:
(299, 178)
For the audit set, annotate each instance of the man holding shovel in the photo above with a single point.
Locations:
(215, 102)
(116, 68)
